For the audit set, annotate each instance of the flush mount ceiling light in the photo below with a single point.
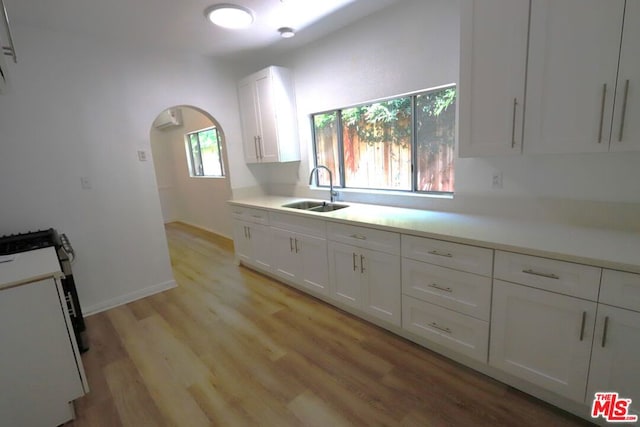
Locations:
(286, 32)
(229, 16)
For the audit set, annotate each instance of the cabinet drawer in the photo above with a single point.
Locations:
(463, 292)
(377, 240)
(258, 216)
(453, 255)
(456, 331)
(577, 280)
(298, 224)
(620, 289)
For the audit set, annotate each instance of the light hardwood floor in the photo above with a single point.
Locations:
(230, 347)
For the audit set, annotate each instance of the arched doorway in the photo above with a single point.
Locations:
(186, 143)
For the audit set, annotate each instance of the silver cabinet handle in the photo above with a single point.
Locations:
(255, 146)
(11, 49)
(290, 244)
(435, 286)
(354, 261)
(513, 123)
(296, 245)
(256, 216)
(259, 145)
(361, 263)
(604, 331)
(536, 273)
(358, 236)
(584, 320)
(244, 227)
(604, 97)
(624, 111)
(444, 254)
(440, 328)
(249, 232)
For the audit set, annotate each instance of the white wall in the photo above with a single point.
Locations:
(199, 201)
(415, 45)
(79, 107)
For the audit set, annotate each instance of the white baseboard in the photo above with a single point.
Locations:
(127, 298)
(191, 224)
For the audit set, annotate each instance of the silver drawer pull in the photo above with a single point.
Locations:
(624, 110)
(604, 331)
(290, 244)
(602, 103)
(584, 320)
(361, 263)
(440, 328)
(354, 261)
(257, 216)
(358, 236)
(536, 273)
(438, 253)
(435, 286)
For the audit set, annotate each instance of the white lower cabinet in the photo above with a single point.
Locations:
(542, 337)
(458, 332)
(252, 244)
(367, 280)
(615, 365)
(301, 258)
(567, 328)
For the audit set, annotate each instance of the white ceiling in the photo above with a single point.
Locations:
(181, 24)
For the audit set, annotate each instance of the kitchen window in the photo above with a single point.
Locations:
(404, 143)
(204, 153)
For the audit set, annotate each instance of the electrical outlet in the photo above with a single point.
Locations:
(496, 180)
(142, 155)
(85, 182)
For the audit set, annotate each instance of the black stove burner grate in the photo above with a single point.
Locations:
(22, 242)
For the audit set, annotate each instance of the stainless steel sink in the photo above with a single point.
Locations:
(328, 207)
(304, 205)
(315, 206)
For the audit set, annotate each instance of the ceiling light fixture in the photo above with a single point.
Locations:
(229, 16)
(286, 32)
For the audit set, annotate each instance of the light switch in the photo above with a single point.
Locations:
(142, 155)
(85, 182)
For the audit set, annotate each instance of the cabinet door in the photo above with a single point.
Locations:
(241, 241)
(626, 126)
(248, 115)
(573, 63)
(381, 287)
(38, 369)
(260, 241)
(268, 135)
(344, 273)
(493, 58)
(542, 337)
(615, 365)
(312, 258)
(284, 256)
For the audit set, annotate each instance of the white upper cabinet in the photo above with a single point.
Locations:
(268, 114)
(574, 47)
(493, 56)
(626, 126)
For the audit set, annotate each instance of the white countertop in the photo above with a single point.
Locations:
(593, 246)
(28, 267)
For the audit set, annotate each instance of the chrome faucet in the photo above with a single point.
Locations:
(332, 193)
